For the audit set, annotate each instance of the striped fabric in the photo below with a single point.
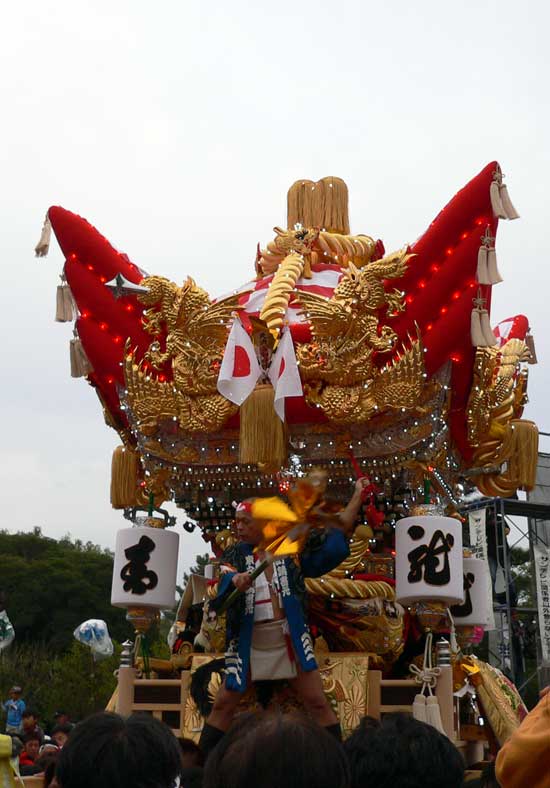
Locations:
(323, 282)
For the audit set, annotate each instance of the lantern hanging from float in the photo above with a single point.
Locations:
(473, 611)
(145, 568)
(428, 560)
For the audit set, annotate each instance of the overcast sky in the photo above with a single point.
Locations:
(176, 129)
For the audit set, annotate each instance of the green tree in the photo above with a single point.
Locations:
(50, 587)
(71, 681)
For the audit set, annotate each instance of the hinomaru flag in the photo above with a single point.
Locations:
(240, 369)
(284, 374)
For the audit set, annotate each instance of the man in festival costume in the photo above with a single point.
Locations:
(267, 635)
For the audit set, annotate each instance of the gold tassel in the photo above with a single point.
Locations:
(478, 340)
(486, 330)
(523, 457)
(124, 477)
(496, 202)
(530, 342)
(43, 246)
(262, 434)
(80, 364)
(492, 268)
(482, 273)
(323, 204)
(64, 311)
(507, 205)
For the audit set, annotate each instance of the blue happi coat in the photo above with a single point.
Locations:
(324, 551)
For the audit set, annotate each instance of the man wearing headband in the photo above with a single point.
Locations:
(267, 635)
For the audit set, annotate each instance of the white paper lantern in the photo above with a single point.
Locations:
(428, 560)
(145, 567)
(473, 612)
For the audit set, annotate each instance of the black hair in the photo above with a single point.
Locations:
(191, 777)
(64, 728)
(107, 751)
(32, 736)
(401, 752)
(30, 713)
(189, 747)
(272, 750)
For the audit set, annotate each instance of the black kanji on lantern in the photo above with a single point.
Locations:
(425, 559)
(466, 608)
(137, 578)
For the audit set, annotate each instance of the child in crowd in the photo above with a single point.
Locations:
(14, 706)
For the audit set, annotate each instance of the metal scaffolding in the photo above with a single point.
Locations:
(502, 514)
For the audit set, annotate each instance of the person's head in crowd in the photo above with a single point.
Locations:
(46, 764)
(273, 750)
(191, 754)
(31, 746)
(15, 693)
(29, 719)
(61, 718)
(401, 752)
(48, 749)
(107, 751)
(61, 733)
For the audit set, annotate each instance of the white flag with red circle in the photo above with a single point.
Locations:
(240, 369)
(284, 375)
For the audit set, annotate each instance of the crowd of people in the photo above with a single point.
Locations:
(36, 750)
(269, 750)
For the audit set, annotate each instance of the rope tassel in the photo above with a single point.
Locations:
(480, 327)
(43, 246)
(482, 273)
(500, 199)
(64, 310)
(486, 330)
(487, 268)
(80, 364)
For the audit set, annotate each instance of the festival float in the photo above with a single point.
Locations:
(337, 360)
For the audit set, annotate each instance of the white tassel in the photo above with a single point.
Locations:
(433, 714)
(80, 364)
(64, 311)
(507, 205)
(496, 202)
(492, 268)
(482, 272)
(419, 708)
(478, 340)
(43, 246)
(486, 330)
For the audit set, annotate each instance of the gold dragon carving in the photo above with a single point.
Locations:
(495, 431)
(196, 334)
(338, 367)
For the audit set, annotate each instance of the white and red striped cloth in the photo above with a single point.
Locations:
(512, 328)
(323, 282)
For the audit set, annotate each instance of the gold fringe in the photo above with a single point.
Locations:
(262, 434)
(43, 246)
(522, 463)
(323, 204)
(80, 363)
(124, 477)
